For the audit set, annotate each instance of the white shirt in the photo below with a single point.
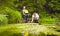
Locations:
(35, 16)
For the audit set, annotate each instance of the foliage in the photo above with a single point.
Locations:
(45, 18)
(3, 9)
(6, 2)
(43, 7)
(14, 16)
(49, 5)
(52, 6)
(57, 15)
(3, 19)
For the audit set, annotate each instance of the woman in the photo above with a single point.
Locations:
(25, 13)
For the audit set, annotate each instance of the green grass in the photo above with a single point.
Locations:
(26, 28)
(47, 20)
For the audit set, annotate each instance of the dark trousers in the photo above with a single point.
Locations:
(35, 21)
(26, 17)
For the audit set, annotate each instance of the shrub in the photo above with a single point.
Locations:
(4, 10)
(3, 20)
(45, 18)
(13, 15)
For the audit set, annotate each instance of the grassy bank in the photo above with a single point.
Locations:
(27, 29)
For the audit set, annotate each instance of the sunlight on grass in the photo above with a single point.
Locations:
(26, 29)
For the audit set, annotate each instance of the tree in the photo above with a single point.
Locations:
(52, 6)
